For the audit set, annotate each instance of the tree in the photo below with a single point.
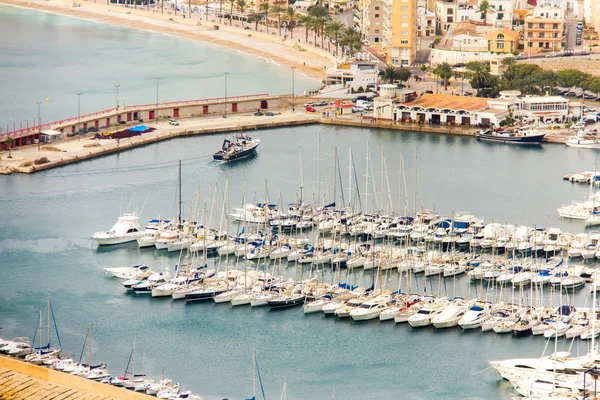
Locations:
(321, 16)
(479, 73)
(484, 9)
(231, 2)
(306, 22)
(352, 40)
(290, 17)
(264, 7)
(9, 142)
(220, 11)
(241, 5)
(508, 62)
(592, 84)
(276, 9)
(572, 78)
(403, 74)
(546, 79)
(390, 74)
(444, 72)
(256, 19)
(333, 30)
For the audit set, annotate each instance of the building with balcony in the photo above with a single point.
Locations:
(371, 22)
(399, 32)
(425, 22)
(543, 30)
(446, 13)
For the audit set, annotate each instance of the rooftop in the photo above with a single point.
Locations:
(446, 101)
(544, 99)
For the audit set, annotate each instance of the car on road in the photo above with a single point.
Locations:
(368, 107)
(310, 109)
(320, 103)
(357, 98)
(578, 125)
(309, 104)
(551, 55)
(459, 65)
(519, 57)
(358, 109)
(173, 122)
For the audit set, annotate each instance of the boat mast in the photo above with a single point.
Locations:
(300, 177)
(284, 392)
(367, 179)
(40, 329)
(254, 374)
(179, 202)
(89, 345)
(48, 322)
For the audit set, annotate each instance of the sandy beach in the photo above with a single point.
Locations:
(286, 52)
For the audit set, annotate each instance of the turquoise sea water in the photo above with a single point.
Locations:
(46, 221)
(45, 55)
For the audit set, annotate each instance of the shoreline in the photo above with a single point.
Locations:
(309, 61)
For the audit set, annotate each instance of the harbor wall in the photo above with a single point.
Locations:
(44, 374)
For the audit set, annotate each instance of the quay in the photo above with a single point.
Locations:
(194, 117)
(21, 380)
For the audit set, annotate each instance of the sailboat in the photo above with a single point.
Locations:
(255, 374)
(44, 352)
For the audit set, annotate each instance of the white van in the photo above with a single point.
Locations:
(363, 103)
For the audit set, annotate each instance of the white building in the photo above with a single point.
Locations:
(538, 108)
(466, 42)
(425, 22)
(354, 74)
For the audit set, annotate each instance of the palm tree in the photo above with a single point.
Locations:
(444, 72)
(352, 39)
(390, 74)
(321, 16)
(241, 5)
(479, 74)
(484, 9)
(306, 22)
(232, 2)
(290, 17)
(264, 7)
(508, 62)
(220, 11)
(276, 9)
(256, 19)
(9, 142)
(333, 30)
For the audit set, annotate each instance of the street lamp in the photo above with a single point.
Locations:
(117, 86)
(156, 116)
(225, 75)
(293, 89)
(78, 107)
(594, 372)
(39, 103)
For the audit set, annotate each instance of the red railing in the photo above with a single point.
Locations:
(32, 130)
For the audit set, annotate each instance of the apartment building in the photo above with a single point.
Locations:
(425, 22)
(446, 12)
(399, 31)
(543, 29)
(371, 22)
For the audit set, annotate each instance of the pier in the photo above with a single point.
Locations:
(21, 380)
(74, 139)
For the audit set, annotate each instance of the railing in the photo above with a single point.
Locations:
(32, 130)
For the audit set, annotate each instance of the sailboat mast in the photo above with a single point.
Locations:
(367, 179)
(89, 345)
(179, 200)
(350, 176)
(335, 175)
(254, 375)
(48, 322)
(40, 329)
(301, 178)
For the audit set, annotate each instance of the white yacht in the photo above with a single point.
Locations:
(125, 230)
(152, 232)
(451, 314)
(475, 317)
(369, 310)
(138, 272)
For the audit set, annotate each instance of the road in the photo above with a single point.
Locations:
(570, 32)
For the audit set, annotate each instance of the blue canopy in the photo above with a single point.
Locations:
(139, 128)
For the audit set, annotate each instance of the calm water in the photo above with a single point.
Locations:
(48, 218)
(44, 55)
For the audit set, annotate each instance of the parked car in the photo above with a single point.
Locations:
(320, 103)
(357, 98)
(428, 92)
(310, 109)
(582, 52)
(519, 57)
(459, 65)
(578, 125)
(369, 107)
(309, 104)
(358, 109)
(173, 122)
(551, 55)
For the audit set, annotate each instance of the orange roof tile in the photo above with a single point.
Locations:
(446, 101)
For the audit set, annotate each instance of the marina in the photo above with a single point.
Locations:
(48, 249)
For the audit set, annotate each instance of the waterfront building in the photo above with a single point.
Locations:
(539, 108)
(502, 40)
(254, 6)
(361, 72)
(543, 29)
(399, 32)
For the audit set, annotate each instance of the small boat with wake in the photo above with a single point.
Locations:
(242, 146)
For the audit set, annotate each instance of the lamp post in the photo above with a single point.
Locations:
(156, 116)
(225, 75)
(78, 107)
(293, 89)
(594, 372)
(117, 86)
(39, 103)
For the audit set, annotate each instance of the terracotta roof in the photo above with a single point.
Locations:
(446, 101)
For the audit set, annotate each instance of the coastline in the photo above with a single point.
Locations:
(309, 61)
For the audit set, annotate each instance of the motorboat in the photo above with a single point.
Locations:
(351, 305)
(124, 231)
(450, 315)
(369, 310)
(582, 141)
(152, 232)
(475, 316)
(242, 146)
(146, 286)
(138, 272)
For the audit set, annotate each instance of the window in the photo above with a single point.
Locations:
(405, 25)
(450, 20)
(529, 34)
(530, 25)
(404, 16)
(450, 11)
(541, 35)
(376, 31)
(554, 26)
(500, 45)
(376, 40)
(404, 8)
(404, 42)
(541, 44)
(542, 26)
(376, 15)
(377, 8)
(404, 33)
(500, 7)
